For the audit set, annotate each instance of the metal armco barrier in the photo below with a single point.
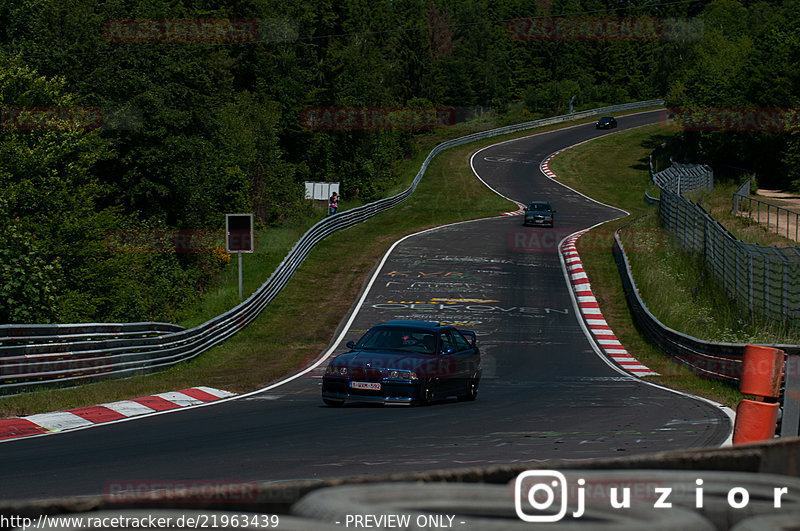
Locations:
(58, 333)
(27, 362)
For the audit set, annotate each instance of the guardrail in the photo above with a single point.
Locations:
(27, 362)
(59, 333)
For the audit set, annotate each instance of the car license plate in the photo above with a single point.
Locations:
(371, 386)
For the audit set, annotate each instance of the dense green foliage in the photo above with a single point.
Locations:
(747, 58)
(195, 128)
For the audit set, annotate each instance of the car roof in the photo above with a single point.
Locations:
(606, 118)
(540, 203)
(427, 325)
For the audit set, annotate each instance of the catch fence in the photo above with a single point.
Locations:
(764, 278)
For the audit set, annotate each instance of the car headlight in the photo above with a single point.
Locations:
(402, 375)
(336, 371)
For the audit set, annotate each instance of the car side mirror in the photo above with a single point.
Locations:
(351, 344)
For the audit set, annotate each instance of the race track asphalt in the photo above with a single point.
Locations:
(545, 393)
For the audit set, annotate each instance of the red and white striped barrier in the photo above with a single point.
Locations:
(591, 313)
(59, 421)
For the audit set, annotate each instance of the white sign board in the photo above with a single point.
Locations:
(320, 191)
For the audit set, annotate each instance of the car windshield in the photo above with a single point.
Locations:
(401, 339)
(539, 206)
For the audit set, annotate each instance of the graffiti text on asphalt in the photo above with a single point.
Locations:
(416, 305)
(439, 274)
(509, 159)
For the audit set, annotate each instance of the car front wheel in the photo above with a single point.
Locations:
(471, 392)
(333, 403)
(426, 392)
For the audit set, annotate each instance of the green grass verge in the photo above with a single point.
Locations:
(301, 321)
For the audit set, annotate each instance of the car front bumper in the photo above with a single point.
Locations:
(538, 221)
(392, 392)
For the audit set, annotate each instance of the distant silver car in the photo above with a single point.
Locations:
(539, 213)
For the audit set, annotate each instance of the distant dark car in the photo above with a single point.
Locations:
(539, 213)
(405, 362)
(606, 122)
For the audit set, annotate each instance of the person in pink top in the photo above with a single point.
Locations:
(333, 203)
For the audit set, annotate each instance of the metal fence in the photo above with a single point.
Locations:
(777, 219)
(39, 355)
(684, 178)
(766, 278)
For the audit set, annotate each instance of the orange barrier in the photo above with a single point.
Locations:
(762, 372)
(755, 421)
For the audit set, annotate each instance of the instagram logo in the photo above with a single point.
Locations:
(538, 490)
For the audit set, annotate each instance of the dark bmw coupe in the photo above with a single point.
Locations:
(606, 122)
(405, 362)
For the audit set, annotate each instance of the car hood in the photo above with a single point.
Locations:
(377, 359)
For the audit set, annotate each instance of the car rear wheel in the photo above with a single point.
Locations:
(471, 393)
(333, 403)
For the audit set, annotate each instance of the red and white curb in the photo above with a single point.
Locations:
(590, 310)
(59, 421)
(545, 165)
(520, 211)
